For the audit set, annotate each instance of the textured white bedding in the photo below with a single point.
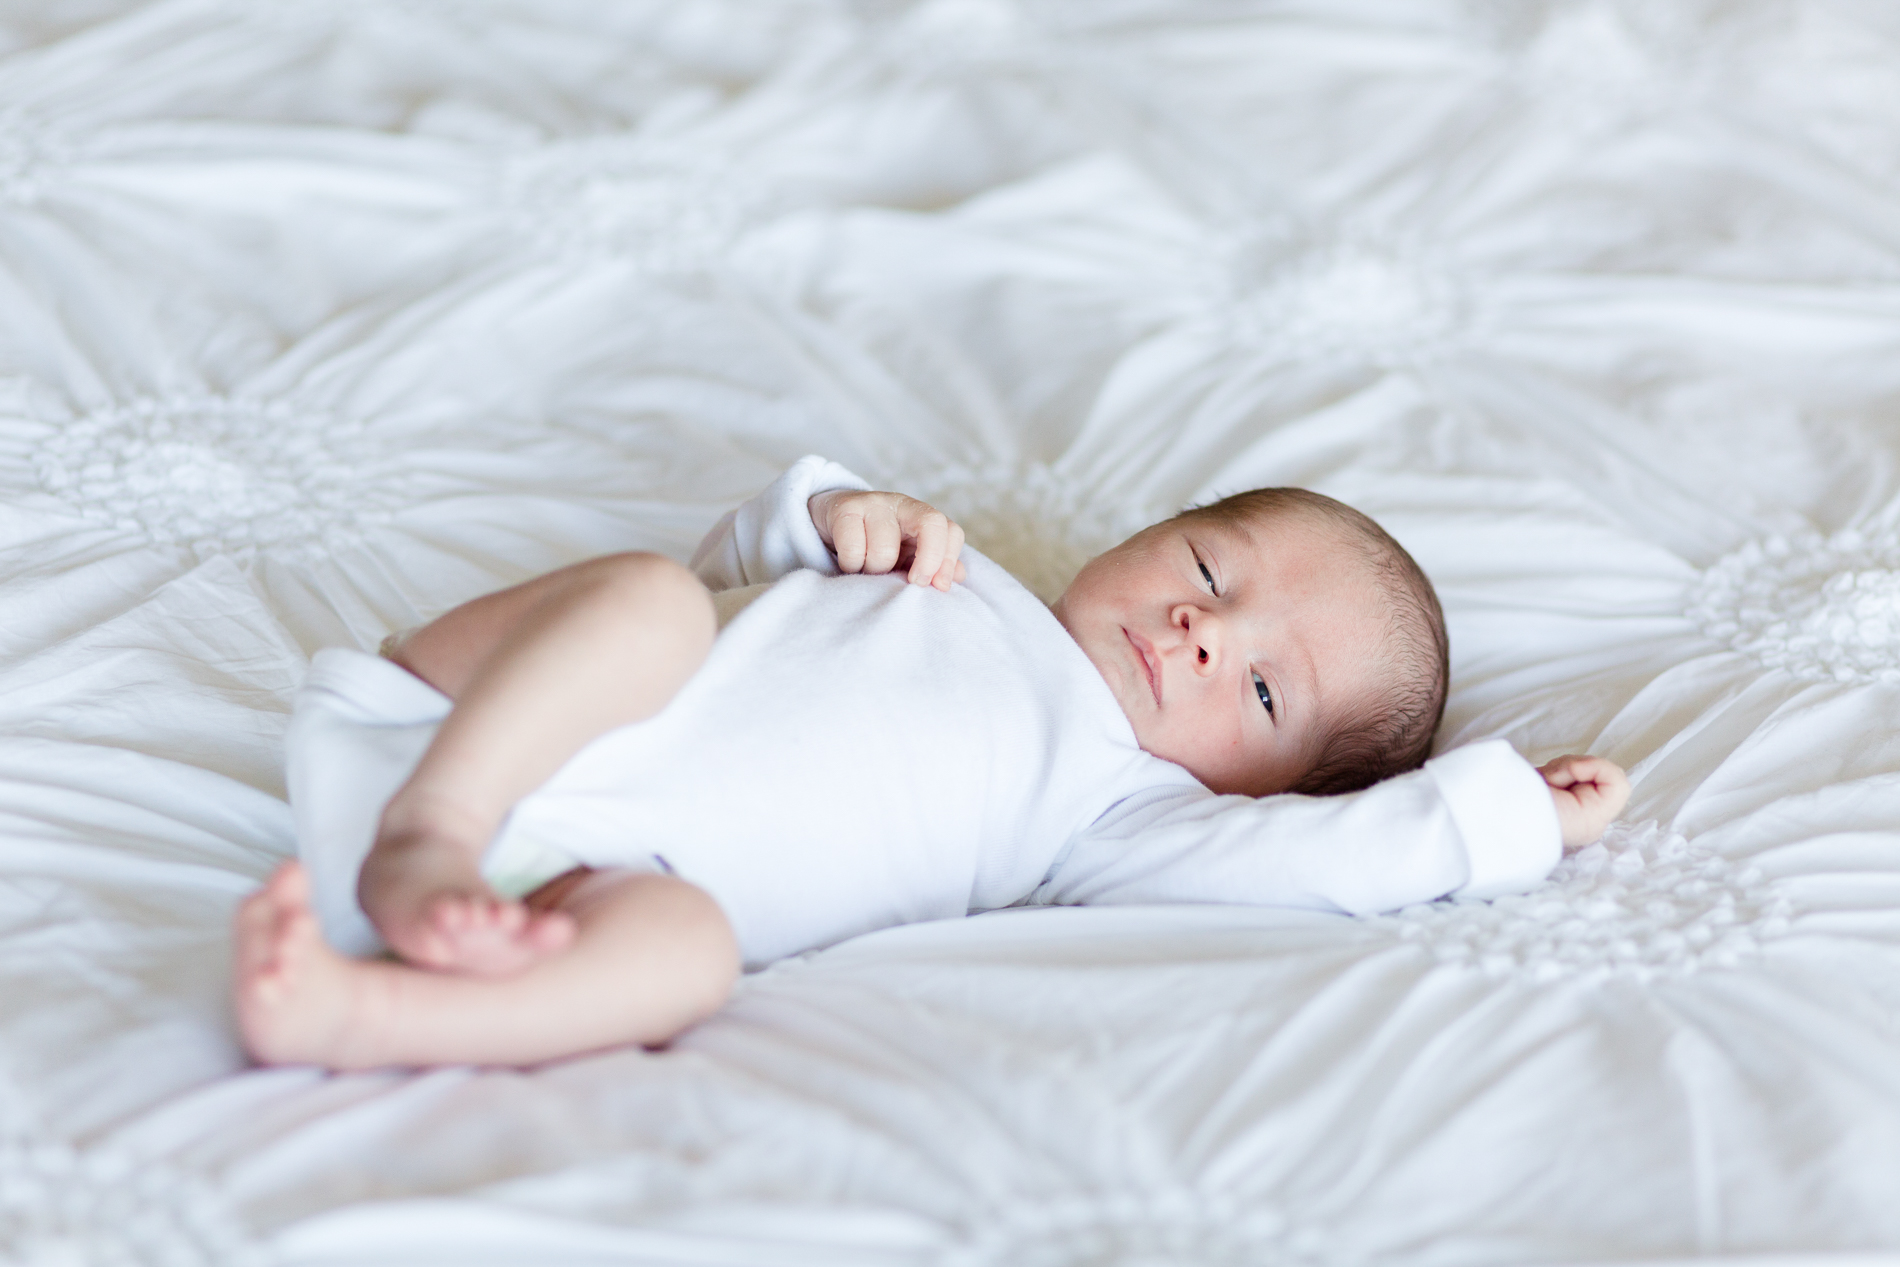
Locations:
(316, 318)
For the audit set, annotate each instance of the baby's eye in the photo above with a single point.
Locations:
(1206, 575)
(1266, 696)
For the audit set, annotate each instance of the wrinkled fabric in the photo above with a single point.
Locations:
(318, 319)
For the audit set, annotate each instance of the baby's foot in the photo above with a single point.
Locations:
(298, 1001)
(429, 901)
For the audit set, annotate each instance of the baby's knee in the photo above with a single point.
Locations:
(715, 959)
(658, 586)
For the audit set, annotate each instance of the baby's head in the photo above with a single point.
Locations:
(1275, 641)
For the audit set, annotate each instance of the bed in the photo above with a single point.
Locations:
(318, 318)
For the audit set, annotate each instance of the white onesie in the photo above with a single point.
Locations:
(858, 752)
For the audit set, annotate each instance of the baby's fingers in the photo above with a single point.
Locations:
(939, 542)
(1573, 768)
(866, 537)
(848, 540)
(933, 534)
(1589, 792)
(951, 570)
(883, 540)
(1612, 785)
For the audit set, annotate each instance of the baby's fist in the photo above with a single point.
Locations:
(1588, 793)
(876, 533)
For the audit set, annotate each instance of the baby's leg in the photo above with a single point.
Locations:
(536, 672)
(651, 955)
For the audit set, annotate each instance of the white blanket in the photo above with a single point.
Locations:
(316, 319)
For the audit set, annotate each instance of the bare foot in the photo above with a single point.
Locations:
(298, 1001)
(427, 898)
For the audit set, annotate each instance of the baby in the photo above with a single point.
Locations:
(574, 808)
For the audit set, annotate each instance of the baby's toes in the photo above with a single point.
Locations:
(486, 921)
(451, 913)
(262, 927)
(432, 939)
(550, 932)
(483, 935)
(461, 916)
(499, 917)
(256, 916)
(276, 944)
(289, 885)
(517, 922)
(504, 937)
(256, 938)
(298, 943)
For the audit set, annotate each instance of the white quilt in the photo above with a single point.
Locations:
(319, 316)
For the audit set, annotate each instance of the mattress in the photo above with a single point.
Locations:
(319, 318)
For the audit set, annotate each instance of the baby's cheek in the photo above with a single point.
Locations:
(1221, 758)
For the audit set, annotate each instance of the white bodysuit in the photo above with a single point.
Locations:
(858, 752)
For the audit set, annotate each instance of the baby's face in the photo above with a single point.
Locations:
(1232, 649)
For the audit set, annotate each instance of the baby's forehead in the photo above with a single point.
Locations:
(1342, 596)
(1273, 531)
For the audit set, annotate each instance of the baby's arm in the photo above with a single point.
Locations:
(1478, 821)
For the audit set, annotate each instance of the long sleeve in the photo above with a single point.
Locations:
(772, 534)
(1477, 821)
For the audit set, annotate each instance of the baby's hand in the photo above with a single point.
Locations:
(874, 533)
(1588, 792)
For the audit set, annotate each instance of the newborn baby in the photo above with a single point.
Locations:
(575, 807)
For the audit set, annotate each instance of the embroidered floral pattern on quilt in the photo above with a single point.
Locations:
(1363, 297)
(104, 1209)
(30, 152)
(667, 211)
(1642, 903)
(1824, 609)
(219, 474)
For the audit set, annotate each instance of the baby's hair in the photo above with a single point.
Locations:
(1396, 734)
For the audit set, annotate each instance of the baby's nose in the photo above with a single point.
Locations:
(1206, 652)
(1203, 632)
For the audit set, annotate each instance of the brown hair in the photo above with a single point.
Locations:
(1396, 734)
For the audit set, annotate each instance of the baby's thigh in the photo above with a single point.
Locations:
(638, 589)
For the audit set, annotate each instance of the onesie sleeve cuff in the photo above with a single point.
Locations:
(1504, 814)
(788, 509)
(772, 535)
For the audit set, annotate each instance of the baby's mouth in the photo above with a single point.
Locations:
(1145, 652)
